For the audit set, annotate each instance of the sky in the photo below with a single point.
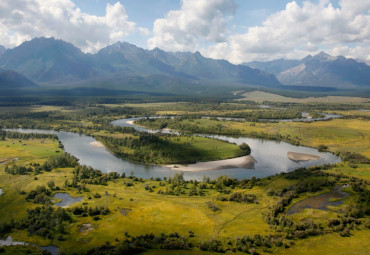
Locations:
(235, 30)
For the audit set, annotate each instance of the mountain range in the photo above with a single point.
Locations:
(49, 62)
(2, 50)
(319, 70)
(11, 80)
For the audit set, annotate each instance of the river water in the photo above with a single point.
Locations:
(271, 156)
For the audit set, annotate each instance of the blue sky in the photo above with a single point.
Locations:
(236, 30)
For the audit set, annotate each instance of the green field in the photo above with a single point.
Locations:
(139, 207)
(344, 134)
(261, 96)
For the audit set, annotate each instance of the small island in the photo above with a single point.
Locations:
(165, 149)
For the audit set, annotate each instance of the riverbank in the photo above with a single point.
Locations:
(239, 162)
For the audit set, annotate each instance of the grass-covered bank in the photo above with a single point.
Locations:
(157, 216)
(167, 149)
(246, 216)
(338, 135)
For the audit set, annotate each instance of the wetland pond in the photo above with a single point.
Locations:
(54, 250)
(67, 199)
(321, 202)
(270, 156)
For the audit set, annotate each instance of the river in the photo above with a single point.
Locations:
(271, 156)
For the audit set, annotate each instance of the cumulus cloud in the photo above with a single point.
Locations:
(196, 21)
(301, 30)
(22, 20)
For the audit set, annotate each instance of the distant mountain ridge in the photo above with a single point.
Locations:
(274, 66)
(2, 50)
(319, 70)
(12, 80)
(47, 60)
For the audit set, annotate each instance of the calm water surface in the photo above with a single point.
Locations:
(320, 202)
(54, 250)
(66, 199)
(271, 156)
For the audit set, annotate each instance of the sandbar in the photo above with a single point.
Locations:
(295, 156)
(239, 162)
(97, 144)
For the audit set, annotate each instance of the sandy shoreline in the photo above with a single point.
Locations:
(240, 162)
(295, 156)
(97, 144)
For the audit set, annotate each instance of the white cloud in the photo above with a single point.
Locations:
(22, 20)
(196, 21)
(301, 30)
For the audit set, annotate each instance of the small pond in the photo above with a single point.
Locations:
(1, 192)
(67, 199)
(321, 202)
(54, 250)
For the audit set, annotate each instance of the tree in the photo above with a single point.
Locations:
(245, 148)
(51, 184)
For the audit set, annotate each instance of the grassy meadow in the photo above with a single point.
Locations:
(138, 207)
(261, 96)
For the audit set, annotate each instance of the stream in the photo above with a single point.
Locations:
(271, 156)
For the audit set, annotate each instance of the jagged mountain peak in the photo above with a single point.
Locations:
(323, 56)
(51, 60)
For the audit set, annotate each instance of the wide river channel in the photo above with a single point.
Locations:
(271, 156)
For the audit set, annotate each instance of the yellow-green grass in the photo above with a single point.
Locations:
(203, 113)
(145, 105)
(191, 148)
(338, 134)
(352, 112)
(329, 244)
(21, 250)
(358, 170)
(151, 212)
(260, 96)
(33, 108)
(35, 149)
(209, 149)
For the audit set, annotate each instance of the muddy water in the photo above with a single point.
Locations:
(320, 202)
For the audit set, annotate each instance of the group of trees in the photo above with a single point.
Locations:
(61, 160)
(212, 127)
(141, 243)
(41, 195)
(45, 221)
(83, 174)
(239, 197)
(84, 211)
(24, 136)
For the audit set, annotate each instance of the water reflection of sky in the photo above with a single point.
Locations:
(271, 157)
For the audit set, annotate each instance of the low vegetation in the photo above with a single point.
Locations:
(126, 214)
